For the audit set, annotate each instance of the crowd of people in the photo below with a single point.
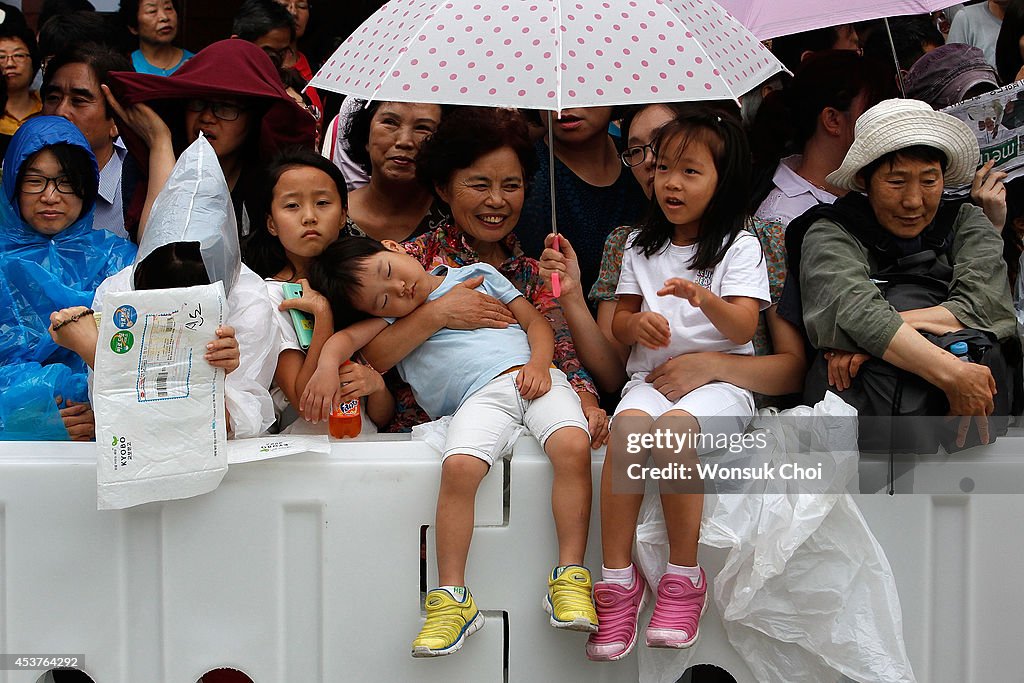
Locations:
(713, 258)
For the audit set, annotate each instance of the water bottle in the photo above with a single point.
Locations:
(960, 350)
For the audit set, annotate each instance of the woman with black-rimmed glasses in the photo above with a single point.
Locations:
(51, 258)
(231, 93)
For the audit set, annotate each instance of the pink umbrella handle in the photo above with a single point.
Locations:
(556, 286)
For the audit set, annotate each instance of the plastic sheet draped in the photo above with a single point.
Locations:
(195, 206)
(806, 593)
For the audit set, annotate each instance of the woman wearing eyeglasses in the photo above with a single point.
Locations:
(231, 93)
(779, 365)
(594, 194)
(19, 62)
(50, 258)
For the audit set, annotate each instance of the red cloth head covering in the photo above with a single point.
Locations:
(232, 67)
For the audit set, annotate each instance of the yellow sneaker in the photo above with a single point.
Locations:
(570, 600)
(449, 622)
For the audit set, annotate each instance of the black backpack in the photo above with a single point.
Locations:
(898, 411)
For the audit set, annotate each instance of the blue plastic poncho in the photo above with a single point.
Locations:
(40, 274)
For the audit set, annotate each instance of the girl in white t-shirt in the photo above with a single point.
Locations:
(692, 280)
(306, 211)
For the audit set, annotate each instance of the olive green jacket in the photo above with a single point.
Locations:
(844, 309)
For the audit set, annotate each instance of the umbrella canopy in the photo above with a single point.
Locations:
(772, 18)
(548, 54)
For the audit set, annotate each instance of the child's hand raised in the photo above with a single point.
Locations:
(311, 301)
(684, 289)
(534, 380)
(222, 352)
(323, 391)
(652, 329)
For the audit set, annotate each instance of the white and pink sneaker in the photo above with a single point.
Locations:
(677, 612)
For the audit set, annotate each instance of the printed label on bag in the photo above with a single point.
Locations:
(120, 452)
(122, 342)
(125, 316)
(165, 362)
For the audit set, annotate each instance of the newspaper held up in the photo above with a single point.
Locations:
(997, 119)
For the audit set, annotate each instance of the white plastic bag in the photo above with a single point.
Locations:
(159, 405)
(806, 594)
(195, 206)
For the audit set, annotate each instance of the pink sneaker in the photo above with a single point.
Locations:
(618, 609)
(677, 612)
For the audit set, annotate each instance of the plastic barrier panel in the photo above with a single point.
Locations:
(308, 568)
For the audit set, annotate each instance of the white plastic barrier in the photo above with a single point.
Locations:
(308, 569)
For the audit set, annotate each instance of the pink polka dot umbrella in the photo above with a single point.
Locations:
(548, 54)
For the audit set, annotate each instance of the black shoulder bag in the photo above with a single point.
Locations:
(881, 392)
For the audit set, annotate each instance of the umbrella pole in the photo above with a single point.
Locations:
(895, 59)
(556, 286)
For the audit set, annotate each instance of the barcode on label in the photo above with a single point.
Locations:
(161, 384)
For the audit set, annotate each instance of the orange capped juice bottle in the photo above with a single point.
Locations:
(345, 420)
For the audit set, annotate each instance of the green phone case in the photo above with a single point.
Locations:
(301, 321)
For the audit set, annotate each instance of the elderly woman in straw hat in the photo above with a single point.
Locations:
(887, 273)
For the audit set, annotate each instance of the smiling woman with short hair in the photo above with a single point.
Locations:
(479, 163)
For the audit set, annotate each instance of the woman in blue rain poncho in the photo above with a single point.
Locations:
(50, 258)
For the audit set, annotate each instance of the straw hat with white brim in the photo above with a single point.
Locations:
(892, 125)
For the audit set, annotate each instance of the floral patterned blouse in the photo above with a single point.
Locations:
(772, 236)
(447, 246)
